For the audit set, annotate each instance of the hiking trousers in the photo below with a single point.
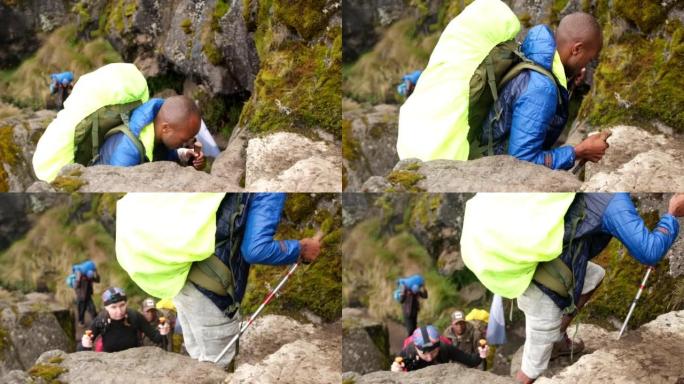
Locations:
(543, 321)
(86, 305)
(206, 330)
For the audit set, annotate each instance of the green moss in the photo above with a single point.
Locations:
(27, 319)
(405, 179)
(646, 14)
(4, 342)
(222, 7)
(212, 52)
(305, 16)
(48, 372)
(186, 26)
(9, 153)
(525, 19)
(68, 183)
(351, 148)
(55, 360)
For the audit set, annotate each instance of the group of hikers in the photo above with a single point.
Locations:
(109, 119)
(203, 272)
(536, 248)
(482, 95)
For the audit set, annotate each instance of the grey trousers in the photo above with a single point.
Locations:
(206, 330)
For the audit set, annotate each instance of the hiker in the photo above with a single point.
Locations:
(464, 335)
(206, 268)
(83, 286)
(426, 349)
(531, 118)
(408, 83)
(153, 316)
(481, 95)
(61, 85)
(110, 120)
(119, 325)
(176, 121)
(552, 292)
(411, 289)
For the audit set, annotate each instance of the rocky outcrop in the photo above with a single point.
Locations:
(638, 161)
(160, 176)
(363, 20)
(291, 162)
(436, 374)
(28, 326)
(369, 146)
(490, 174)
(365, 343)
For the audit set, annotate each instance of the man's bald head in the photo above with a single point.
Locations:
(579, 40)
(177, 121)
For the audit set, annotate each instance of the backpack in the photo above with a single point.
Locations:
(211, 231)
(407, 282)
(84, 267)
(98, 106)
(509, 239)
(71, 280)
(472, 61)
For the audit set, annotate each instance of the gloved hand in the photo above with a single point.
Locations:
(87, 341)
(484, 351)
(185, 155)
(396, 367)
(164, 329)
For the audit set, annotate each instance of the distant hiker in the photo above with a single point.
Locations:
(86, 275)
(537, 248)
(480, 95)
(427, 349)
(154, 317)
(206, 266)
(408, 83)
(464, 335)
(61, 85)
(410, 290)
(109, 119)
(120, 326)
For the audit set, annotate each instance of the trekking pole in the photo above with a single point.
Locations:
(631, 308)
(268, 298)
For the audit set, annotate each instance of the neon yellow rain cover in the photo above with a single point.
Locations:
(116, 83)
(160, 235)
(433, 122)
(505, 236)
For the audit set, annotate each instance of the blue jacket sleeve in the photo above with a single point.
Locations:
(532, 114)
(258, 245)
(622, 220)
(118, 150)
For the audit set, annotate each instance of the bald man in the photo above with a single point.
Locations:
(176, 121)
(534, 108)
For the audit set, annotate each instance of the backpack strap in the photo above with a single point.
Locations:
(528, 64)
(126, 131)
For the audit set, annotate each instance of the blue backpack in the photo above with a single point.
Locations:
(408, 282)
(83, 268)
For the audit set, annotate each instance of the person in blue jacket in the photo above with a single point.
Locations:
(209, 321)
(61, 84)
(600, 218)
(531, 118)
(176, 121)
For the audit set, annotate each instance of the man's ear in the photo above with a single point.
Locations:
(165, 128)
(577, 48)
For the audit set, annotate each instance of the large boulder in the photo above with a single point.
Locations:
(638, 161)
(488, 174)
(365, 343)
(370, 141)
(362, 20)
(30, 325)
(437, 374)
(290, 162)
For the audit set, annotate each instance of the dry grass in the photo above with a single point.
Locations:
(28, 85)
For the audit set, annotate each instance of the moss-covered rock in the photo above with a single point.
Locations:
(47, 372)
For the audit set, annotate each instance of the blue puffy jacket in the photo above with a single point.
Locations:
(531, 120)
(607, 216)
(264, 211)
(119, 150)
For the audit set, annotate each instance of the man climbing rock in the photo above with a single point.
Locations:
(119, 326)
(153, 317)
(426, 349)
(462, 333)
(411, 290)
(567, 231)
(206, 267)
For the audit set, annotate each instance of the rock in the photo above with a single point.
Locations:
(360, 22)
(277, 349)
(370, 142)
(365, 343)
(638, 161)
(290, 162)
(355, 207)
(28, 326)
(436, 374)
(136, 365)
(19, 135)
(159, 176)
(230, 163)
(488, 174)
(16, 377)
(13, 218)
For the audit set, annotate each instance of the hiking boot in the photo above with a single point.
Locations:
(565, 346)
